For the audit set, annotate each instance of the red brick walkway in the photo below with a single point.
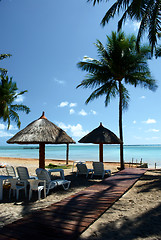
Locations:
(68, 218)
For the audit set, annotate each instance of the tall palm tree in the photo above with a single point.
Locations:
(147, 12)
(8, 94)
(119, 64)
(3, 56)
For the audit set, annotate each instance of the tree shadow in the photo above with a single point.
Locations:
(154, 181)
(145, 226)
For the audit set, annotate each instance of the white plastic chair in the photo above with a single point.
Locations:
(37, 185)
(23, 175)
(43, 174)
(82, 169)
(16, 186)
(64, 183)
(11, 171)
(98, 169)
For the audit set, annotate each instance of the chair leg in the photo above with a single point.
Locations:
(39, 194)
(25, 192)
(44, 192)
(14, 192)
(17, 194)
(30, 194)
(68, 184)
(10, 193)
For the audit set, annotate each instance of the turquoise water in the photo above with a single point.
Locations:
(149, 153)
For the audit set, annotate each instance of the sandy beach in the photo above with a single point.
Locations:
(136, 215)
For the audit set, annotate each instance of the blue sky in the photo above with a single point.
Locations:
(47, 39)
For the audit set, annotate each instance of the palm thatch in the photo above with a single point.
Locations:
(41, 132)
(101, 135)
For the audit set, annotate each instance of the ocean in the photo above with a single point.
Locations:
(150, 154)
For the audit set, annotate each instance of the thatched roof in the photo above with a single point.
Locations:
(100, 135)
(41, 131)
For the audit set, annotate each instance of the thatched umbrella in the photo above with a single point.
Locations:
(100, 135)
(42, 132)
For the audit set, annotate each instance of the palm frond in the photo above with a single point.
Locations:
(20, 107)
(14, 117)
(3, 56)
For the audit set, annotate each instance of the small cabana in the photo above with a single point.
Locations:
(42, 132)
(100, 135)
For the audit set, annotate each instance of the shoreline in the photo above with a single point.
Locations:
(52, 160)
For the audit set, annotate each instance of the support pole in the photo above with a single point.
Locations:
(42, 155)
(101, 152)
(67, 154)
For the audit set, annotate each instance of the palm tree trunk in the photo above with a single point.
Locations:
(120, 128)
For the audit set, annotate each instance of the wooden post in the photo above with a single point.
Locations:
(101, 152)
(67, 154)
(42, 155)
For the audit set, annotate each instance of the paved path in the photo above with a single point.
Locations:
(70, 217)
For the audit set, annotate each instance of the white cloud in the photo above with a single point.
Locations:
(93, 112)
(149, 121)
(136, 25)
(153, 130)
(12, 127)
(142, 97)
(72, 104)
(82, 112)
(76, 130)
(133, 24)
(2, 126)
(134, 122)
(71, 111)
(63, 104)
(63, 126)
(5, 134)
(19, 99)
(58, 81)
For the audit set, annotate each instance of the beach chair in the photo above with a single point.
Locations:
(98, 169)
(23, 175)
(37, 185)
(16, 186)
(11, 171)
(43, 174)
(82, 169)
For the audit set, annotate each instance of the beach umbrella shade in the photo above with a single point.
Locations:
(42, 132)
(100, 135)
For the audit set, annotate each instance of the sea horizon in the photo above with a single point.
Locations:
(148, 153)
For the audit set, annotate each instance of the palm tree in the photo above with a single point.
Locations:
(8, 94)
(147, 12)
(119, 64)
(2, 56)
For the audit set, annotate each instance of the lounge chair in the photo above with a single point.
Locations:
(98, 169)
(23, 175)
(37, 185)
(11, 171)
(43, 174)
(16, 186)
(82, 169)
